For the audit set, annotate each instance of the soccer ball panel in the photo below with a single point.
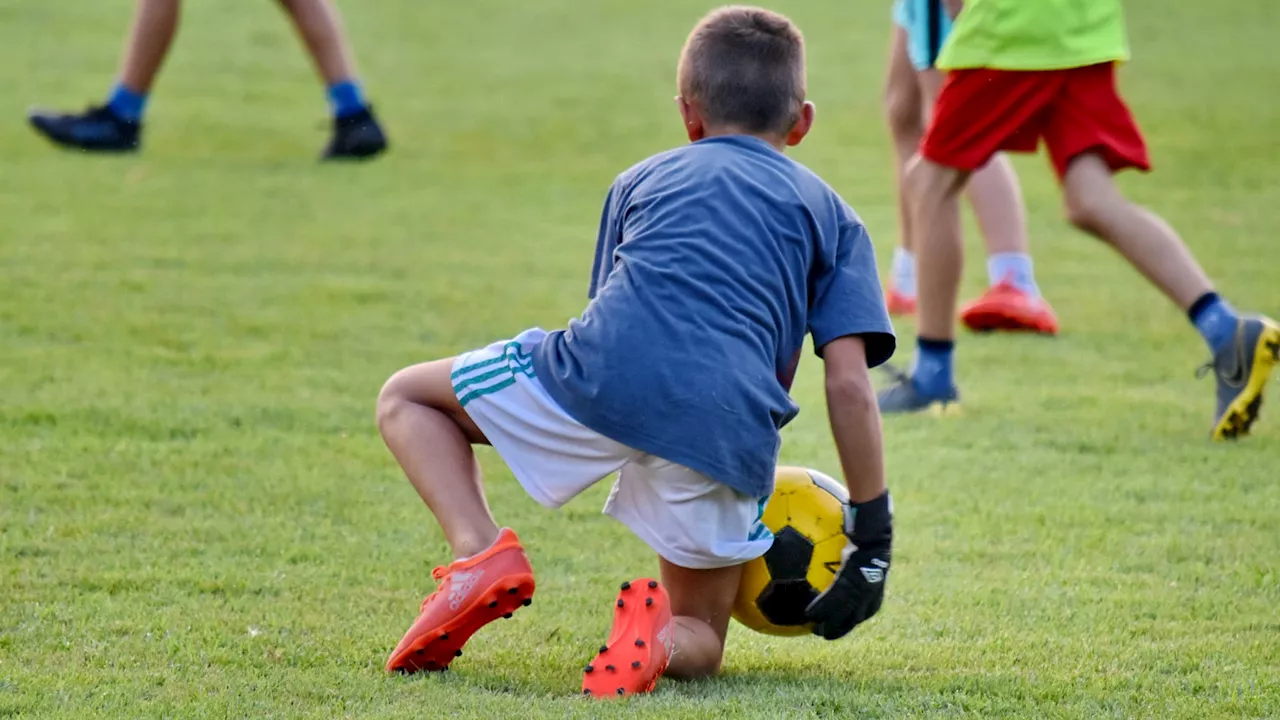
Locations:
(825, 562)
(815, 513)
(755, 579)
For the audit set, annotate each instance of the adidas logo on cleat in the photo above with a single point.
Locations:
(667, 638)
(460, 586)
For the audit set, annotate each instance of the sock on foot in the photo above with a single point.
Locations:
(904, 272)
(346, 98)
(934, 371)
(127, 104)
(1015, 269)
(1215, 319)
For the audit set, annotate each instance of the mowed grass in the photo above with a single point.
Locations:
(198, 519)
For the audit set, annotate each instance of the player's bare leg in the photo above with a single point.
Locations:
(905, 115)
(701, 604)
(155, 23)
(934, 192)
(1246, 348)
(1094, 204)
(431, 436)
(320, 26)
(356, 132)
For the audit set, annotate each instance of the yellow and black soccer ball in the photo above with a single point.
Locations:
(806, 515)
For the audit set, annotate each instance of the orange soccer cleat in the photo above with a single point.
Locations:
(639, 644)
(1005, 307)
(472, 593)
(898, 303)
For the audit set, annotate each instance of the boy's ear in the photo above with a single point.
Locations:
(803, 124)
(693, 125)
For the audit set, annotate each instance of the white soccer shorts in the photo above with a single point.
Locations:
(687, 518)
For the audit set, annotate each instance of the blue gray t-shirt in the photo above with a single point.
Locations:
(713, 261)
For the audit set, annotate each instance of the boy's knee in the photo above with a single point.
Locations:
(705, 663)
(391, 403)
(902, 110)
(1085, 210)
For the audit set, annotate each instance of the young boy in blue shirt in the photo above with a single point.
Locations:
(713, 262)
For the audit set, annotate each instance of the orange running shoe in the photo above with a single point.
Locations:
(898, 303)
(639, 644)
(1005, 307)
(472, 593)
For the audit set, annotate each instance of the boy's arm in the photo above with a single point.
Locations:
(953, 7)
(855, 418)
(858, 590)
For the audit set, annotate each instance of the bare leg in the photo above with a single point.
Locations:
(905, 115)
(1095, 205)
(431, 437)
(934, 191)
(320, 26)
(155, 22)
(993, 191)
(701, 602)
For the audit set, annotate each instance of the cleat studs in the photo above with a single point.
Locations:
(493, 604)
(653, 584)
(506, 616)
(610, 668)
(527, 602)
(620, 603)
(444, 636)
(648, 602)
(589, 669)
(457, 653)
(626, 586)
(635, 664)
(604, 648)
(621, 691)
(639, 643)
(512, 591)
(586, 692)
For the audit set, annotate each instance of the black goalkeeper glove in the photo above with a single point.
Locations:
(858, 589)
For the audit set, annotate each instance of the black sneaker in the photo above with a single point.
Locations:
(355, 137)
(97, 129)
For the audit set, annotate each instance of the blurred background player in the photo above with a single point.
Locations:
(116, 125)
(1012, 301)
(1025, 71)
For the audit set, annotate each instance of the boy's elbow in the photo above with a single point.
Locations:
(850, 391)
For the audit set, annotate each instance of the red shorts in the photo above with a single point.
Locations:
(980, 112)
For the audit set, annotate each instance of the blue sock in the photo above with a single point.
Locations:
(127, 104)
(346, 98)
(934, 371)
(1015, 269)
(1215, 319)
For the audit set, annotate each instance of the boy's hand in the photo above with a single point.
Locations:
(858, 589)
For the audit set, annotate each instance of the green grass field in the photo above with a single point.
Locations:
(198, 519)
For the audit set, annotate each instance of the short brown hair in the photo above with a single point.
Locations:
(744, 67)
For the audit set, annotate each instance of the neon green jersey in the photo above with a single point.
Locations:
(1035, 35)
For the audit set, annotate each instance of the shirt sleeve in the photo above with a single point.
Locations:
(607, 239)
(846, 298)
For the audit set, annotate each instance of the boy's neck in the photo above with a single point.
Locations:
(778, 143)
